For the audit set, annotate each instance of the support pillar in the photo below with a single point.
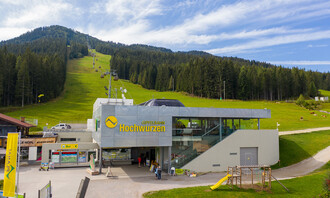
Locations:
(220, 129)
(100, 160)
(169, 159)
(239, 123)
(258, 123)
(162, 153)
(232, 124)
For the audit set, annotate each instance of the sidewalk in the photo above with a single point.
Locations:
(303, 131)
(304, 167)
(65, 181)
(135, 187)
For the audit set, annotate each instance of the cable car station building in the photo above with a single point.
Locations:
(199, 139)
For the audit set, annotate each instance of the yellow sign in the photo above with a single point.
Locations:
(10, 166)
(69, 146)
(111, 122)
(137, 128)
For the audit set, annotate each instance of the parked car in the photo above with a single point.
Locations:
(163, 102)
(61, 126)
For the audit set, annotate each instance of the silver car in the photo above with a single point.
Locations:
(61, 126)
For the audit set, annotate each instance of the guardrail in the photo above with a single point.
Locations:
(67, 130)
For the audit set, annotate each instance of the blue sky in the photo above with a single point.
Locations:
(283, 32)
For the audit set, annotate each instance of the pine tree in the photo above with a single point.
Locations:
(23, 79)
(171, 84)
(312, 91)
(243, 84)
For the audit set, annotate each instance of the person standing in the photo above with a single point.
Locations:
(139, 160)
(159, 173)
(156, 172)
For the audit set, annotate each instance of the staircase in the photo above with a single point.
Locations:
(196, 147)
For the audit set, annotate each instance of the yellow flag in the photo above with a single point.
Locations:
(10, 165)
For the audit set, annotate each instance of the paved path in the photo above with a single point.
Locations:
(133, 182)
(304, 167)
(303, 131)
(135, 187)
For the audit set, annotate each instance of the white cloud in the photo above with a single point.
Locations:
(38, 13)
(258, 33)
(11, 32)
(204, 28)
(300, 62)
(132, 9)
(323, 45)
(258, 21)
(276, 40)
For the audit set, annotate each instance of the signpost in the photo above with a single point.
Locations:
(46, 191)
(10, 166)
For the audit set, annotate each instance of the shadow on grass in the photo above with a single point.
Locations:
(290, 153)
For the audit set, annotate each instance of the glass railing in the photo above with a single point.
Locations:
(187, 148)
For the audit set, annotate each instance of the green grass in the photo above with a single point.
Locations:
(295, 148)
(325, 92)
(307, 186)
(84, 85)
(325, 105)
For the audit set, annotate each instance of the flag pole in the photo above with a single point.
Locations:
(19, 158)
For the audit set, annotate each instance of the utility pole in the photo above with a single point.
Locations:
(220, 91)
(23, 90)
(109, 90)
(93, 60)
(224, 90)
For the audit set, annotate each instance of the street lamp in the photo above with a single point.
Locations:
(224, 95)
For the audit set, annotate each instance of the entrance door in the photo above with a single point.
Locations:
(248, 156)
(152, 155)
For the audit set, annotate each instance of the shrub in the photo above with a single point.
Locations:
(301, 101)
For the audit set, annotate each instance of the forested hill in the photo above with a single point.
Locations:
(35, 63)
(216, 77)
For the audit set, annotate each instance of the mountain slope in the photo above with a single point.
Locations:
(84, 85)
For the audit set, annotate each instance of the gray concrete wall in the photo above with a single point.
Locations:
(227, 152)
(82, 146)
(85, 136)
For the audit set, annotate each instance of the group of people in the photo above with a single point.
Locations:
(158, 171)
(142, 159)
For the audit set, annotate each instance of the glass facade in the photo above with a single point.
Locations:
(193, 136)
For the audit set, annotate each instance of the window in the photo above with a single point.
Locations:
(68, 139)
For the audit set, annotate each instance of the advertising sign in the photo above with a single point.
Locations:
(82, 157)
(69, 157)
(69, 146)
(56, 157)
(32, 142)
(46, 191)
(10, 165)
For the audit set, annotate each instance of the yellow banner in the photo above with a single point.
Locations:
(10, 165)
(69, 146)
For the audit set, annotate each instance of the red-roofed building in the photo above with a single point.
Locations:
(9, 124)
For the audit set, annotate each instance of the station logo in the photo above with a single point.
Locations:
(111, 122)
(146, 126)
